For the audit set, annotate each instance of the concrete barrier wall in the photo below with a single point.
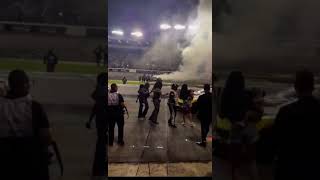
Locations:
(32, 41)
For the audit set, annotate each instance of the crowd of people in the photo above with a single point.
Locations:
(292, 144)
(25, 135)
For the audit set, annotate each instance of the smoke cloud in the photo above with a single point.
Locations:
(195, 56)
(265, 32)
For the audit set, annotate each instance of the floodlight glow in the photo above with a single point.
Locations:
(179, 27)
(117, 32)
(165, 26)
(137, 34)
(193, 27)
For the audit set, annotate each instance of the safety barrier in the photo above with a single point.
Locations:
(80, 31)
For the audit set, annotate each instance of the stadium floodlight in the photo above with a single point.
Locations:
(165, 26)
(117, 32)
(179, 27)
(137, 34)
(192, 27)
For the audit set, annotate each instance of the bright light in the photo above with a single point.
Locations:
(179, 27)
(165, 26)
(137, 34)
(117, 32)
(193, 27)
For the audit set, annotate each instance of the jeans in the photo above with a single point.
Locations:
(120, 123)
(143, 113)
(172, 109)
(155, 112)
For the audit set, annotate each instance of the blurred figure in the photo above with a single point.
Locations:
(156, 90)
(116, 108)
(24, 132)
(204, 109)
(51, 60)
(124, 80)
(98, 53)
(99, 111)
(172, 104)
(143, 101)
(233, 108)
(295, 133)
(186, 96)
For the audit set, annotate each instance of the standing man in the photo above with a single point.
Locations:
(25, 132)
(100, 112)
(204, 108)
(143, 101)
(51, 60)
(116, 108)
(296, 133)
(156, 100)
(98, 53)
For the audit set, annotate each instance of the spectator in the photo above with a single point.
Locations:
(143, 101)
(172, 104)
(24, 134)
(116, 108)
(100, 112)
(51, 60)
(186, 96)
(98, 53)
(156, 90)
(234, 106)
(295, 132)
(204, 108)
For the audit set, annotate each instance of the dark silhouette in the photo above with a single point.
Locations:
(124, 80)
(156, 90)
(204, 108)
(172, 104)
(116, 108)
(187, 96)
(100, 112)
(24, 135)
(98, 53)
(143, 95)
(51, 60)
(295, 133)
(234, 106)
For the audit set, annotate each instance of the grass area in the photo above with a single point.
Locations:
(9, 64)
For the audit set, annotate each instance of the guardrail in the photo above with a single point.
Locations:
(70, 30)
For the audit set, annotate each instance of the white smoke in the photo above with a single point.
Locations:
(197, 57)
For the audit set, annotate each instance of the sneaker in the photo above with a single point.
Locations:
(191, 125)
(110, 144)
(174, 126)
(203, 144)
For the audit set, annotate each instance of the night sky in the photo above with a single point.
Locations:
(147, 14)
